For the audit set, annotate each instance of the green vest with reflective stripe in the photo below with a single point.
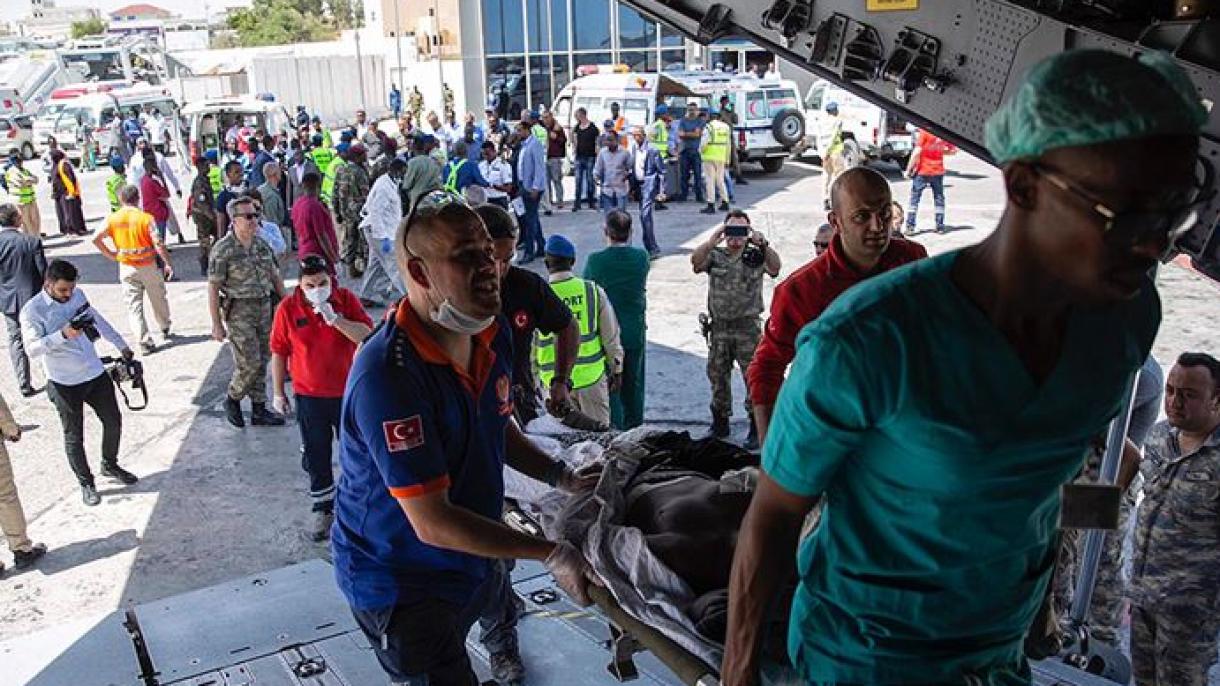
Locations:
(451, 183)
(15, 177)
(581, 298)
(719, 142)
(113, 184)
(540, 133)
(215, 180)
(328, 179)
(658, 135)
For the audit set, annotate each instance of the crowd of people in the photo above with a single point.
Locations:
(932, 408)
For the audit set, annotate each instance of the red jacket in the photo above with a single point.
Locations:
(800, 298)
(319, 355)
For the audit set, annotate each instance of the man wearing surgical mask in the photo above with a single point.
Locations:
(314, 336)
(426, 431)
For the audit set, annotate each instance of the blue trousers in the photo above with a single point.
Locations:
(585, 188)
(918, 184)
(609, 203)
(318, 420)
(531, 225)
(691, 163)
(649, 189)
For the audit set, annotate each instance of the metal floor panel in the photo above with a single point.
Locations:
(1049, 673)
(97, 652)
(213, 628)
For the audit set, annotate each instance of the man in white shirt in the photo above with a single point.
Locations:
(380, 217)
(135, 170)
(498, 173)
(59, 326)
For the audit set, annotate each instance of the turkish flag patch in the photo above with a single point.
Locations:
(403, 434)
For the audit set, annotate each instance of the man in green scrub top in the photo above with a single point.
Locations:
(937, 409)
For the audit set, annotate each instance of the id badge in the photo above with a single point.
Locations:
(1089, 506)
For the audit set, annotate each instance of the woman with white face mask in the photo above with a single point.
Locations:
(315, 334)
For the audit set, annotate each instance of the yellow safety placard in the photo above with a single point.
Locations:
(890, 5)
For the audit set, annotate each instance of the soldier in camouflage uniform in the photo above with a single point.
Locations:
(351, 190)
(1175, 571)
(203, 210)
(734, 300)
(242, 270)
(447, 97)
(415, 105)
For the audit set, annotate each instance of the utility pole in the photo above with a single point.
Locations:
(360, 71)
(440, 66)
(398, 42)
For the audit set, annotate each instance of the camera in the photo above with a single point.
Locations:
(127, 371)
(83, 321)
(752, 256)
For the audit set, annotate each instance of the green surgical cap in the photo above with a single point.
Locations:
(1087, 97)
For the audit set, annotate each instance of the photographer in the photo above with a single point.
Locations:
(734, 301)
(59, 326)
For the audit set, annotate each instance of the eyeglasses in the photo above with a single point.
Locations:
(246, 215)
(431, 204)
(1129, 228)
(820, 245)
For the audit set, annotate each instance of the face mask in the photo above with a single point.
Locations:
(449, 317)
(318, 295)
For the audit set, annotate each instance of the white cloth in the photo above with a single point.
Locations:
(66, 361)
(135, 172)
(382, 211)
(498, 173)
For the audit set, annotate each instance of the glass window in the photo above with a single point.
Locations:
(673, 60)
(590, 59)
(780, 99)
(670, 38)
(636, 60)
(540, 82)
(593, 30)
(634, 31)
(559, 25)
(503, 30)
(814, 101)
(537, 35)
(506, 86)
(635, 111)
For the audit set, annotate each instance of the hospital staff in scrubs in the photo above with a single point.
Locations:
(936, 410)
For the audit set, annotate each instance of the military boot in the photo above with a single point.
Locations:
(233, 412)
(261, 416)
(720, 427)
(751, 443)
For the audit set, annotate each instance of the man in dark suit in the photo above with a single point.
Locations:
(22, 265)
(649, 171)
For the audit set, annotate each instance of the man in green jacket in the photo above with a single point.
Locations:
(622, 272)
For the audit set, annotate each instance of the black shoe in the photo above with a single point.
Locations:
(261, 416)
(720, 427)
(654, 255)
(710, 209)
(547, 213)
(233, 412)
(119, 474)
(30, 391)
(24, 559)
(660, 206)
(724, 206)
(741, 181)
(88, 495)
(576, 208)
(507, 668)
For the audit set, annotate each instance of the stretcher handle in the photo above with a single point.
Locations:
(689, 669)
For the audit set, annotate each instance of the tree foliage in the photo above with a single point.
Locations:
(88, 27)
(280, 22)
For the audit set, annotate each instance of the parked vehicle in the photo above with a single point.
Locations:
(207, 120)
(17, 133)
(636, 93)
(881, 135)
(26, 84)
(97, 110)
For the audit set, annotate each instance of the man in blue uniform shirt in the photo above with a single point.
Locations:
(939, 463)
(426, 431)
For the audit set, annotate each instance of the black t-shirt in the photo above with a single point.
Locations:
(586, 140)
(529, 303)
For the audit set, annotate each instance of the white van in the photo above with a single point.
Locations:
(881, 135)
(98, 110)
(207, 120)
(25, 84)
(770, 123)
(636, 93)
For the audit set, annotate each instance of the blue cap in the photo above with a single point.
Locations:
(212, 155)
(347, 136)
(832, 105)
(316, 139)
(661, 110)
(116, 163)
(316, 119)
(560, 247)
(343, 147)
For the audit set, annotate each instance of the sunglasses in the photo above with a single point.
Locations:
(314, 263)
(433, 204)
(821, 245)
(247, 215)
(1129, 228)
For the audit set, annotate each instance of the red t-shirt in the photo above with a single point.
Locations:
(932, 152)
(319, 355)
(315, 230)
(800, 298)
(153, 196)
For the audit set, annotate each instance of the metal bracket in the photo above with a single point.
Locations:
(863, 55)
(789, 17)
(544, 596)
(716, 23)
(913, 65)
(309, 667)
(622, 647)
(148, 673)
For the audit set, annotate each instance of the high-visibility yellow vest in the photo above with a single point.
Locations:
(658, 135)
(15, 177)
(836, 138)
(540, 133)
(719, 142)
(451, 183)
(322, 157)
(215, 179)
(328, 179)
(113, 185)
(582, 299)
